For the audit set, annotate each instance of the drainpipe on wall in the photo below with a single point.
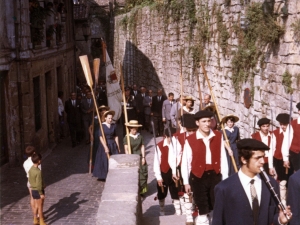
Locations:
(18, 30)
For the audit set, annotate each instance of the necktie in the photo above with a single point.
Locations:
(255, 205)
(159, 99)
(73, 102)
(171, 103)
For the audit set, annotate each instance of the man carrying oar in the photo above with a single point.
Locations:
(178, 139)
(204, 165)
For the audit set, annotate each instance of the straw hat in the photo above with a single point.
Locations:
(133, 123)
(210, 108)
(235, 118)
(108, 112)
(186, 98)
(103, 107)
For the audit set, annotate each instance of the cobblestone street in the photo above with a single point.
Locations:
(72, 195)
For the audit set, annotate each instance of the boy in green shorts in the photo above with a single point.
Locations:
(37, 189)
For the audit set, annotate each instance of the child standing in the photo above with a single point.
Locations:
(29, 151)
(37, 189)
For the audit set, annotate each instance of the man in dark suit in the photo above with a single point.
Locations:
(147, 102)
(293, 198)
(87, 106)
(140, 106)
(72, 108)
(244, 198)
(166, 109)
(102, 97)
(134, 92)
(156, 111)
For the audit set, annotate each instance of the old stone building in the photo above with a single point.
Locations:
(37, 60)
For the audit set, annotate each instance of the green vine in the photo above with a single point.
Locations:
(296, 29)
(262, 31)
(223, 33)
(287, 82)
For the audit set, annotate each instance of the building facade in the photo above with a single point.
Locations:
(37, 60)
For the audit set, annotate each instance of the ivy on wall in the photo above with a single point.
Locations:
(207, 26)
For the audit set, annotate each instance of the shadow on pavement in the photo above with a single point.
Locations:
(63, 208)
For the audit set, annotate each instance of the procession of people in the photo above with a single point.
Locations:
(201, 167)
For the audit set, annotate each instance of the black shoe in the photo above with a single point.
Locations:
(103, 180)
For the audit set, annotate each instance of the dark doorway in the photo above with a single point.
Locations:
(3, 130)
(49, 107)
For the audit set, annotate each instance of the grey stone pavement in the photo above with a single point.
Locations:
(73, 195)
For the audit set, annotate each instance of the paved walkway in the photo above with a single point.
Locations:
(72, 195)
(150, 206)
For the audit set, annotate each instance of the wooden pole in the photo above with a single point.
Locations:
(125, 109)
(181, 86)
(218, 113)
(96, 64)
(199, 90)
(87, 72)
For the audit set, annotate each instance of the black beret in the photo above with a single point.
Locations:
(188, 121)
(283, 118)
(298, 105)
(251, 145)
(203, 114)
(263, 121)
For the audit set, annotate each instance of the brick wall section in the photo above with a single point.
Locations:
(149, 53)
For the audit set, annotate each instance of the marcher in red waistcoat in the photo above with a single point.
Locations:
(295, 146)
(189, 127)
(204, 165)
(164, 168)
(265, 136)
(281, 152)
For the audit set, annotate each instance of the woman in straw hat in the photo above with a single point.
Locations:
(94, 134)
(137, 147)
(233, 134)
(111, 146)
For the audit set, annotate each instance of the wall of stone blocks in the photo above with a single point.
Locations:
(150, 54)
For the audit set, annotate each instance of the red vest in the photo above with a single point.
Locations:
(257, 136)
(164, 164)
(180, 137)
(295, 146)
(279, 140)
(199, 154)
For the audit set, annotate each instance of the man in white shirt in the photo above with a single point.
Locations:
(204, 165)
(265, 136)
(164, 168)
(244, 198)
(61, 114)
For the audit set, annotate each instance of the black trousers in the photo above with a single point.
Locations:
(280, 170)
(74, 132)
(203, 190)
(168, 183)
(295, 160)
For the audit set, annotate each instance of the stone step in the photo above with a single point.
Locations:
(164, 220)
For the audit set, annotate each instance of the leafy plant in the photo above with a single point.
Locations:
(287, 82)
(296, 29)
(262, 31)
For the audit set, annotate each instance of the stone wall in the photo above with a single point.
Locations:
(120, 201)
(150, 46)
